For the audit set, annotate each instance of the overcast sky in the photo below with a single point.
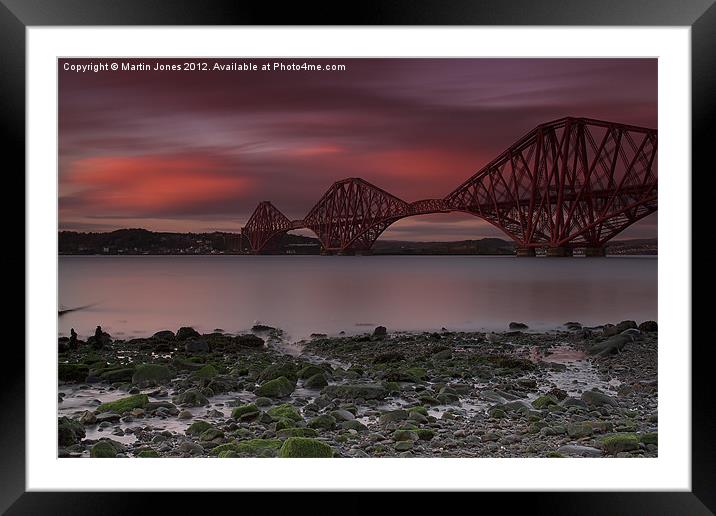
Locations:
(196, 151)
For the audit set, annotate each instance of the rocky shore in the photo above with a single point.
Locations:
(572, 392)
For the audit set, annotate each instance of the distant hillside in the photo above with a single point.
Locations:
(141, 241)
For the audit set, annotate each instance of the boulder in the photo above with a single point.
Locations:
(191, 398)
(285, 369)
(598, 399)
(518, 326)
(324, 422)
(123, 405)
(187, 332)
(393, 416)
(278, 388)
(303, 447)
(617, 443)
(612, 345)
(285, 411)
(649, 326)
(380, 331)
(164, 335)
(246, 412)
(103, 450)
(100, 339)
(316, 381)
(197, 427)
(575, 450)
(625, 325)
(69, 431)
(310, 370)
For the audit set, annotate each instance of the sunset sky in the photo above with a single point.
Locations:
(196, 151)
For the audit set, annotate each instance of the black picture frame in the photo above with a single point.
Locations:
(16, 15)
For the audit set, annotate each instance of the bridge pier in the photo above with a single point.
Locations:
(525, 251)
(595, 252)
(559, 251)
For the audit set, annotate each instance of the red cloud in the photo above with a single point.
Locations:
(151, 184)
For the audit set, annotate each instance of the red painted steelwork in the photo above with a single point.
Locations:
(572, 182)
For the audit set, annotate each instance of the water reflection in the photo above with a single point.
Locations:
(138, 295)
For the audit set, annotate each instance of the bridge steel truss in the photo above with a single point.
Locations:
(572, 182)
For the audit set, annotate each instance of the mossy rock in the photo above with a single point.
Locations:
(251, 447)
(198, 427)
(650, 438)
(554, 455)
(191, 398)
(186, 332)
(393, 416)
(310, 370)
(302, 447)
(280, 387)
(324, 422)
(228, 454)
(544, 401)
(354, 424)
(151, 374)
(285, 411)
(617, 443)
(420, 410)
(205, 373)
(148, 454)
(210, 434)
(405, 435)
(497, 413)
(259, 447)
(248, 411)
(69, 431)
(72, 372)
(222, 448)
(317, 381)
(118, 375)
(425, 434)
(275, 371)
(123, 405)
(296, 432)
(103, 450)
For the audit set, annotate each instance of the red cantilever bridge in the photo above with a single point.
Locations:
(572, 182)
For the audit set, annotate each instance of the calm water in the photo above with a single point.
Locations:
(138, 295)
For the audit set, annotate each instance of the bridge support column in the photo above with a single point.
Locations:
(525, 251)
(346, 252)
(595, 251)
(559, 251)
(326, 252)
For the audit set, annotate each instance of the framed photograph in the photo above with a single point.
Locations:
(418, 250)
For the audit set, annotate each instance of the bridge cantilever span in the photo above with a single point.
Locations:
(572, 182)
